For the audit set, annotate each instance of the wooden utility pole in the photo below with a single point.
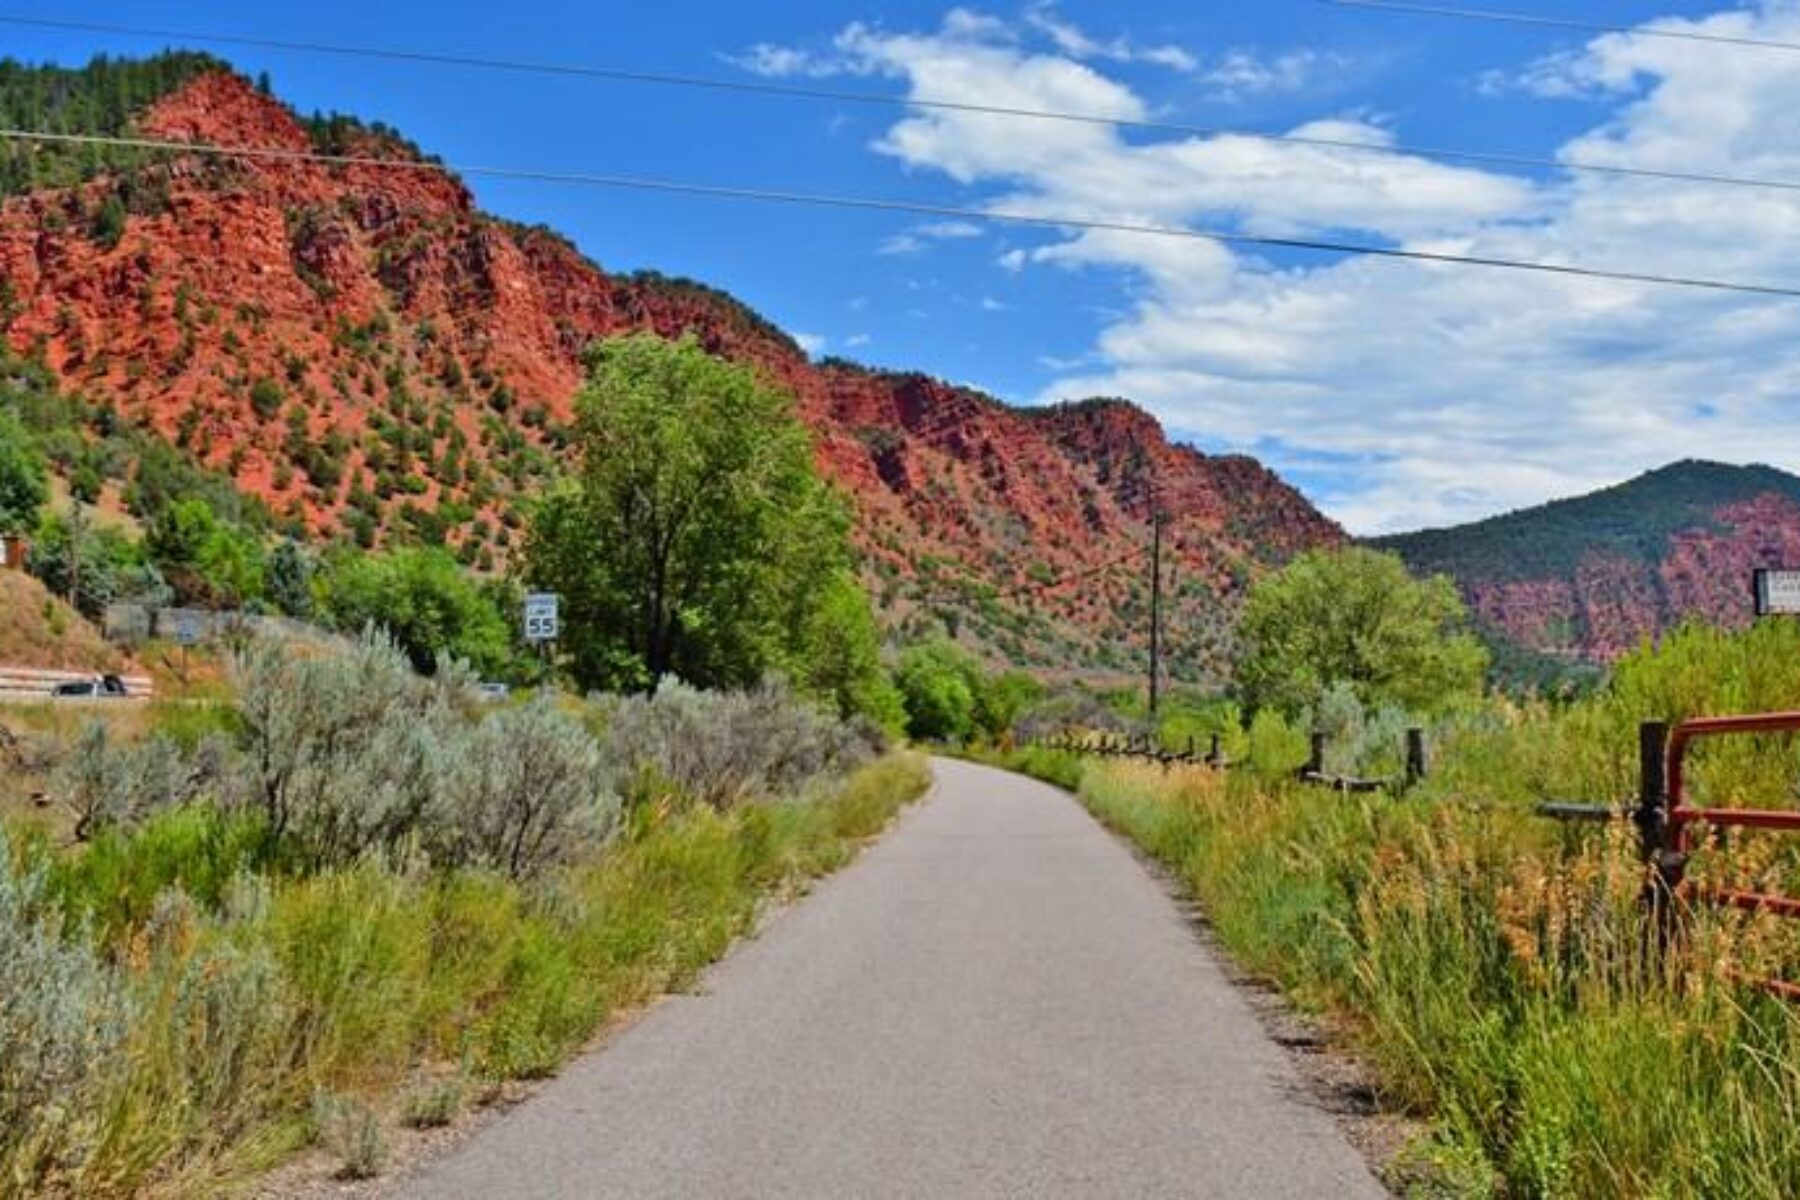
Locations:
(76, 525)
(1156, 527)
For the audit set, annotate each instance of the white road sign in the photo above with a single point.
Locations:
(1777, 592)
(542, 620)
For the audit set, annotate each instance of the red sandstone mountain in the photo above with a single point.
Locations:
(362, 348)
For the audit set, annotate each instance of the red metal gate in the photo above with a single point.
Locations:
(1681, 818)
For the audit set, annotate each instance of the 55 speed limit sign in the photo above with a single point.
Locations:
(542, 619)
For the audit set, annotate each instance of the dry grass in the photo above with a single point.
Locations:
(39, 630)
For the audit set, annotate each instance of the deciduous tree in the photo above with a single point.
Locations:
(696, 538)
(1355, 616)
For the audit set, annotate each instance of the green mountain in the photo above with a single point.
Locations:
(1587, 578)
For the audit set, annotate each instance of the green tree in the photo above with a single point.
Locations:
(424, 600)
(839, 658)
(934, 680)
(1355, 616)
(205, 559)
(109, 221)
(696, 538)
(999, 699)
(24, 483)
(97, 563)
(290, 579)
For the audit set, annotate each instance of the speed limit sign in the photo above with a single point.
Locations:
(542, 620)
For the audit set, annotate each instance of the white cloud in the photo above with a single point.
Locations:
(857, 340)
(812, 343)
(989, 304)
(916, 239)
(1073, 41)
(1238, 74)
(786, 62)
(1411, 393)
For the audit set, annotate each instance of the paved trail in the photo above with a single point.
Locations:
(997, 1000)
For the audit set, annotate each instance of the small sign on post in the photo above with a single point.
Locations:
(542, 618)
(1777, 593)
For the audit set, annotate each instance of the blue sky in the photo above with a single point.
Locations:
(1396, 395)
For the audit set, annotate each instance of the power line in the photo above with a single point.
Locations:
(1517, 18)
(840, 95)
(917, 208)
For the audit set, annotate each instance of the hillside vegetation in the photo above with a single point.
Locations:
(1584, 580)
(378, 363)
(41, 630)
(1635, 520)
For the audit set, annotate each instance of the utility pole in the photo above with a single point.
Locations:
(76, 525)
(1156, 528)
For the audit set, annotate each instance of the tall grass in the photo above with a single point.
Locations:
(1498, 978)
(1496, 968)
(256, 1012)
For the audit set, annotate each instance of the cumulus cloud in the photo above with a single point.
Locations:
(1409, 393)
(812, 343)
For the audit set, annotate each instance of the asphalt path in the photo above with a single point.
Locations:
(997, 1000)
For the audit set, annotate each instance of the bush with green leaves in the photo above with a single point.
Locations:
(423, 599)
(351, 1130)
(63, 1016)
(1360, 740)
(24, 481)
(726, 748)
(523, 790)
(97, 563)
(934, 681)
(205, 558)
(1356, 617)
(105, 783)
(350, 753)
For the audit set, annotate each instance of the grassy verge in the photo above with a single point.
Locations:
(207, 1015)
(1492, 968)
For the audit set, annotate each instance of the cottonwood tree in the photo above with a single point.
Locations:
(696, 538)
(1357, 617)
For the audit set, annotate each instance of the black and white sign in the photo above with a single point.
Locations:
(542, 622)
(1777, 592)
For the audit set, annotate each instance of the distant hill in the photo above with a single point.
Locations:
(369, 357)
(1587, 578)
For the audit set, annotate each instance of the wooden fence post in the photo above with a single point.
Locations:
(1315, 762)
(1653, 785)
(1415, 756)
(1652, 820)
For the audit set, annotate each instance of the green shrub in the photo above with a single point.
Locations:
(521, 791)
(350, 1129)
(63, 1015)
(422, 599)
(722, 749)
(24, 481)
(266, 398)
(934, 682)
